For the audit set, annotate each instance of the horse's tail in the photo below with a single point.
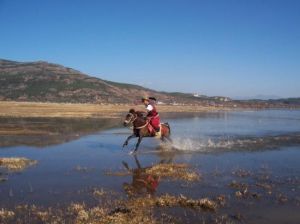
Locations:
(167, 125)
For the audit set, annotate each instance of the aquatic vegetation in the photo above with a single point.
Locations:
(242, 173)
(243, 190)
(174, 171)
(100, 192)
(82, 169)
(6, 215)
(183, 201)
(238, 185)
(169, 171)
(241, 193)
(16, 164)
(133, 210)
(265, 186)
(221, 200)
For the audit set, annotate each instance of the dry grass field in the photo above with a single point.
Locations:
(66, 110)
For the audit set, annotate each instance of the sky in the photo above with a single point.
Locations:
(234, 48)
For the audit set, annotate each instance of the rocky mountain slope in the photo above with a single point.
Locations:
(46, 82)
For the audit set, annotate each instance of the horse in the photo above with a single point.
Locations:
(141, 128)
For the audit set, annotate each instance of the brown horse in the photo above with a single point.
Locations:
(141, 129)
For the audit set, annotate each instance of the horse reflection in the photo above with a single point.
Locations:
(2, 177)
(142, 182)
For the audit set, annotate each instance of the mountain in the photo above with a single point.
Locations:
(47, 82)
(287, 101)
(259, 97)
(41, 81)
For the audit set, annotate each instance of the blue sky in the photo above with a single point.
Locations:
(234, 48)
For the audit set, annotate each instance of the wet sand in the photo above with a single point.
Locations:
(44, 131)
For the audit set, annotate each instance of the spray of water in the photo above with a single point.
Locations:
(200, 145)
(234, 143)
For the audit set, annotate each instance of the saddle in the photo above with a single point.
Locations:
(153, 132)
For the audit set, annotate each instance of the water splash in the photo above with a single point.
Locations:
(200, 145)
(234, 143)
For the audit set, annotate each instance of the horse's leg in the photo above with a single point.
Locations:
(138, 143)
(126, 165)
(166, 134)
(130, 137)
(169, 139)
(137, 162)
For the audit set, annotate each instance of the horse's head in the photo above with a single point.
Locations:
(130, 117)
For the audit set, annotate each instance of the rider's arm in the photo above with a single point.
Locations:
(149, 108)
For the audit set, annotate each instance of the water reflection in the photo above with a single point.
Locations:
(143, 181)
(41, 132)
(2, 177)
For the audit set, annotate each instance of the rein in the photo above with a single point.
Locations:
(133, 117)
(142, 126)
(145, 124)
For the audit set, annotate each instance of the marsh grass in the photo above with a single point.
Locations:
(175, 172)
(16, 164)
(132, 210)
(169, 171)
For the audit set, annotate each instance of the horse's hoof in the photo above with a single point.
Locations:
(133, 152)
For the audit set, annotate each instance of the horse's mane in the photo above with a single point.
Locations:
(132, 111)
(138, 113)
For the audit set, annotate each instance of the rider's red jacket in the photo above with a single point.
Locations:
(153, 116)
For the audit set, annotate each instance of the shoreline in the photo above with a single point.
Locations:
(14, 109)
(70, 110)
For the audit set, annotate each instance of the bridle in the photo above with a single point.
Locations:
(133, 117)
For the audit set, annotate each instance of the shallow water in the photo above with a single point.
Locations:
(254, 148)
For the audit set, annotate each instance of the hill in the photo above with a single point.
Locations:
(47, 82)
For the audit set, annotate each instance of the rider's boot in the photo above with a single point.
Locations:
(157, 132)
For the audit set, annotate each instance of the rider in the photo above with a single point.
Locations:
(152, 114)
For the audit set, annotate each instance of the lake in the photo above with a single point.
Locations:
(249, 158)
